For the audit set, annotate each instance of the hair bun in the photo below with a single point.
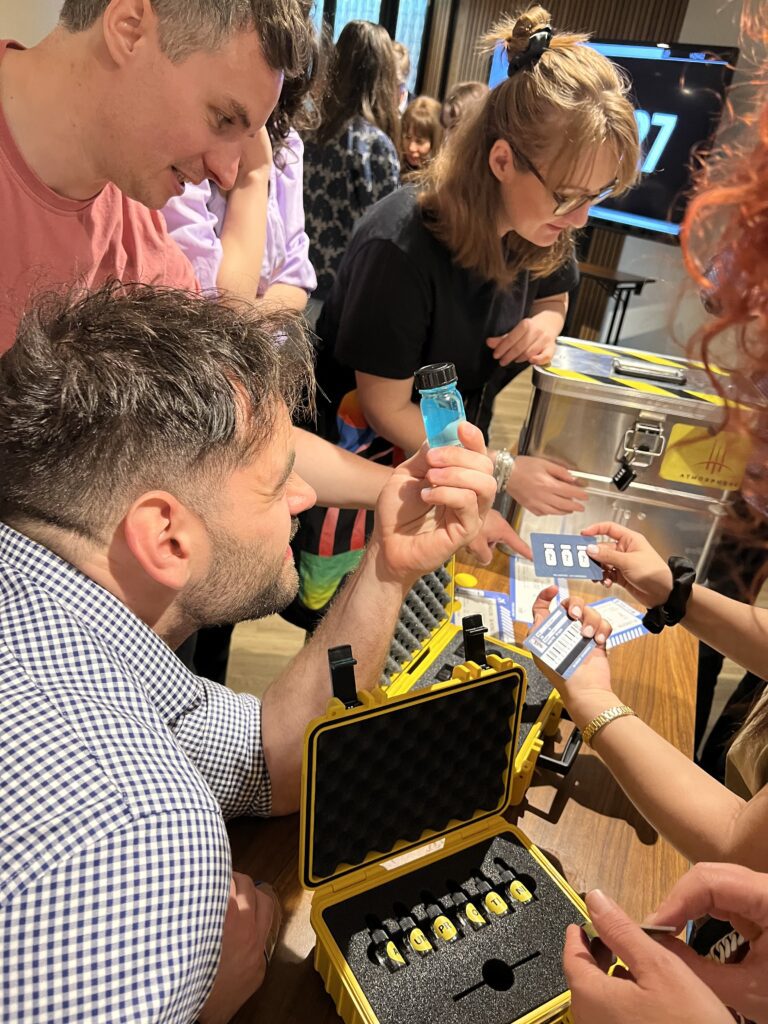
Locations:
(524, 26)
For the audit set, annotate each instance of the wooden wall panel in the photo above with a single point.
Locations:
(630, 19)
(657, 20)
(433, 68)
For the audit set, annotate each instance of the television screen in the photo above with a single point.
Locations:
(678, 92)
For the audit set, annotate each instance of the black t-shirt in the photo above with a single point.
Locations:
(400, 302)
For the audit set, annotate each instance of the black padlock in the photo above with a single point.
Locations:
(623, 476)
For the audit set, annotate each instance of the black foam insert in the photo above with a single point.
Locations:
(468, 980)
(395, 771)
(424, 610)
(537, 693)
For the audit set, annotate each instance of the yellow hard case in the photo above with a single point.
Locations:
(361, 764)
(543, 708)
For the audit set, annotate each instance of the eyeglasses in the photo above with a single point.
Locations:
(566, 204)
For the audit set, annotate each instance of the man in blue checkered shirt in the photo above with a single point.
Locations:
(146, 459)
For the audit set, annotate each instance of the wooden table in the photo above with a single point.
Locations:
(583, 822)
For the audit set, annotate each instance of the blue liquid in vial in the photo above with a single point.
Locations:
(442, 411)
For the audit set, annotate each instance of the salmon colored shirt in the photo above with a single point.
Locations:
(47, 240)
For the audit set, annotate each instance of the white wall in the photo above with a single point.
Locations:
(668, 312)
(27, 21)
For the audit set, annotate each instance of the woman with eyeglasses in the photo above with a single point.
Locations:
(472, 265)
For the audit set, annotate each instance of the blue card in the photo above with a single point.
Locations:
(559, 644)
(564, 554)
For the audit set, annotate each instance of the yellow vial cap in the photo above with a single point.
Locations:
(473, 914)
(394, 953)
(419, 941)
(444, 929)
(519, 892)
(495, 903)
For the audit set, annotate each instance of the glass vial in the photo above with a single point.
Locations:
(386, 951)
(469, 916)
(415, 937)
(516, 889)
(442, 408)
(442, 926)
(493, 902)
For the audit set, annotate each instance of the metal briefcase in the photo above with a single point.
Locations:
(644, 433)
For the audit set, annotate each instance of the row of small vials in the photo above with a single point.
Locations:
(449, 919)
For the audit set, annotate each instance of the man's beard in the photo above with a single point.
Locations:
(241, 584)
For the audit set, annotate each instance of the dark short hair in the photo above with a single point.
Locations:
(298, 105)
(113, 392)
(189, 25)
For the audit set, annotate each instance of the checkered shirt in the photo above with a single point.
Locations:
(118, 767)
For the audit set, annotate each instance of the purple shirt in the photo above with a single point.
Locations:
(194, 221)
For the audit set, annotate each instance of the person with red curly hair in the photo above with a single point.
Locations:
(703, 819)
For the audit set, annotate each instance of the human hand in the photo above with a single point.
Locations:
(731, 893)
(256, 159)
(242, 964)
(660, 989)
(496, 530)
(544, 487)
(527, 342)
(632, 562)
(586, 693)
(434, 503)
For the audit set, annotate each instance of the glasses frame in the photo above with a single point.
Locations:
(565, 204)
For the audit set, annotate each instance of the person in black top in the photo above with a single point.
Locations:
(470, 265)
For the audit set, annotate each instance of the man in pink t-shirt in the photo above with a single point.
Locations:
(107, 117)
(100, 124)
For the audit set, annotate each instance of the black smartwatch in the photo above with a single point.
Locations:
(673, 609)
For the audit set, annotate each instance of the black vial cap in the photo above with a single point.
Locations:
(435, 375)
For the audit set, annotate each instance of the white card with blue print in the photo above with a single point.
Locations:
(559, 644)
(525, 586)
(626, 621)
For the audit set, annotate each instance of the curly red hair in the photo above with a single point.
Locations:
(725, 249)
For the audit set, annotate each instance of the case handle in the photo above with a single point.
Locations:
(342, 666)
(562, 765)
(637, 368)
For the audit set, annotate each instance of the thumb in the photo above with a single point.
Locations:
(579, 966)
(541, 605)
(622, 935)
(610, 554)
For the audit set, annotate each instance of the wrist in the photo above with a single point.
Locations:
(589, 705)
(511, 485)
(397, 578)
(673, 609)
(664, 591)
(254, 177)
(503, 466)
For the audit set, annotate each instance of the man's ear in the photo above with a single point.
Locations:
(126, 25)
(500, 160)
(163, 535)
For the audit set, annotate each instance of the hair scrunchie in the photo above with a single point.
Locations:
(538, 42)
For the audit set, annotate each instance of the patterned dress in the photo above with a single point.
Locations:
(341, 180)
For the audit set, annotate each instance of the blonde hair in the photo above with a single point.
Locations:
(556, 109)
(403, 60)
(422, 117)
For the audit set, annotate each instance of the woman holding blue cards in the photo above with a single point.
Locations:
(472, 265)
(706, 821)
